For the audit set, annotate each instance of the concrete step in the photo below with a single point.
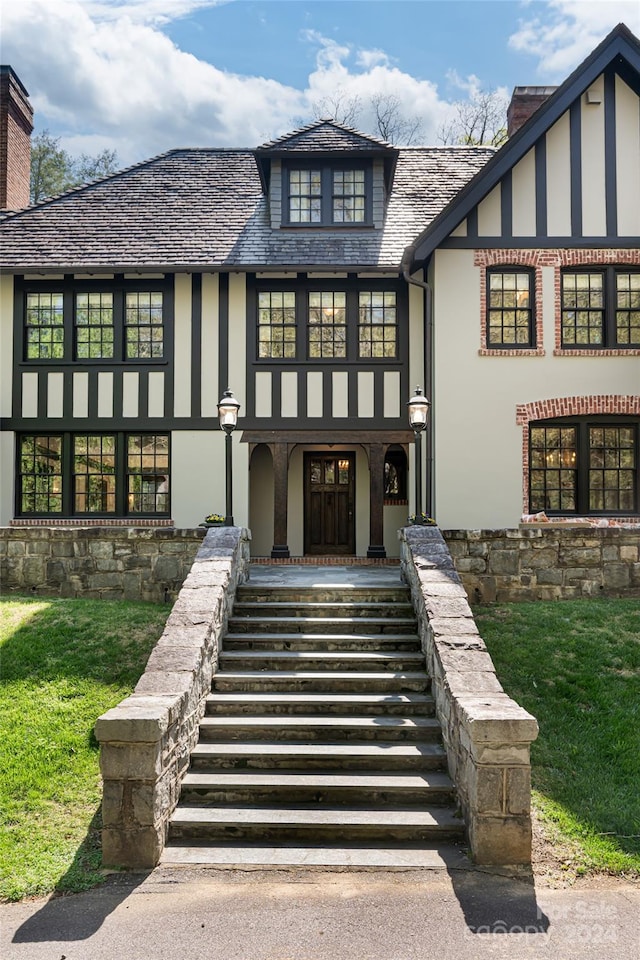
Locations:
(312, 608)
(321, 704)
(324, 681)
(398, 729)
(319, 856)
(326, 786)
(315, 660)
(291, 824)
(322, 594)
(322, 641)
(267, 755)
(348, 625)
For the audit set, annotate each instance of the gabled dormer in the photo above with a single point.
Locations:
(326, 175)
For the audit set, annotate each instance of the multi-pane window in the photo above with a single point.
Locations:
(277, 324)
(44, 326)
(553, 469)
(87, 321)
(327, 325)
(628, 308)
(377, 324)
(584, 467)
(395, 475)
(143, 325)
(94, 468)
(327, 196)
(510, 309)
(101, 474)
(600, 308)
(349, 196)
(305, 196)
(40, 474)
(94, 326)
(147, 474)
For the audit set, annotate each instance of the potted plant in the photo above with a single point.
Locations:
(212, 520)
(421, 519)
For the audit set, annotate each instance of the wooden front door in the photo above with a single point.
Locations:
(329, 509)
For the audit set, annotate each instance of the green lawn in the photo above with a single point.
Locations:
(576, 666)
(63, 663)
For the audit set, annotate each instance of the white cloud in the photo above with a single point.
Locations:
(564, 32)
(103, 74)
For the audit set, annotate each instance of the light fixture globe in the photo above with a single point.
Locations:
(228, 409)
(418, 408)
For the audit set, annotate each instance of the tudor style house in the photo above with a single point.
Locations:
(321, 277)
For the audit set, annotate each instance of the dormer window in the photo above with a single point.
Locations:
(326, 195)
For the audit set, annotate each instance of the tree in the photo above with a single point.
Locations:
(53, 170)
(479, 120)
(384, 110)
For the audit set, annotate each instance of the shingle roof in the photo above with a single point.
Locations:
(325, 136)
(204, 208)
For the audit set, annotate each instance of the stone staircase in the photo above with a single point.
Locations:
(319, 745)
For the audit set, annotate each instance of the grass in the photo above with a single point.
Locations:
(64, 662)
(576, 666)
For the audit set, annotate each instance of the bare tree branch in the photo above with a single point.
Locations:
(479, 120)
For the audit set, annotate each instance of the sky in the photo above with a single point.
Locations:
(144, 76)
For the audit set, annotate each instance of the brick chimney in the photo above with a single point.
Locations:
(524, 103)
(16, 125)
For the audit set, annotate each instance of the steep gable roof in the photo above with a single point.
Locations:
(620, 49)
(326, 136)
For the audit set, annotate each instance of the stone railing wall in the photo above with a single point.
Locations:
(106, 562)
(486, 734)
(547, 562)
(146, 741)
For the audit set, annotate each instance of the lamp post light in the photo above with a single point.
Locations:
(228, 413)
(418, 412)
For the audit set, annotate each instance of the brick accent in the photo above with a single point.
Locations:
(595, 258)
(567, 407)
(510, 258)
(558, 259)
(16, 126)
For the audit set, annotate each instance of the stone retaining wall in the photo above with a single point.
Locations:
(146, 741)
(549, 562)
(111, 563)
(486, 734)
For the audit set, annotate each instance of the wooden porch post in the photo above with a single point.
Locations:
(376, 501)
(280, 454)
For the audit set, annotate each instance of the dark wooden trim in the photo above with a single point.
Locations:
(320, 437)
(472, 223)
(92, 404)
(43, 392)
(196, 344)
(67, 395)
(117, 393)
(18, 346)
(280, 455)
(143, 395)
(376, 500)
(541, 186)
(506, 205)
(532, 243)
(610, 151)
(575, 155)
(223, 333)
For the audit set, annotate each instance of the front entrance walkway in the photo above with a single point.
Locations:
(334, 575)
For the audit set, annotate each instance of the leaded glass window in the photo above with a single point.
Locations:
(94, 326)
(327, 326)
(510, 308)
(40, 475)
(553, 466)
(305, 196)
(277, 324)
(628, 308)
(583, 309)
(143, 325)
(349, 196)
(44, 326)
(94, 468)
(147, 473)
(612, 468)
(378, 324)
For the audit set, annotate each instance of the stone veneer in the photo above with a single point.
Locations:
(486, 735)
(547, 562)
(102, 562)
(146, 741)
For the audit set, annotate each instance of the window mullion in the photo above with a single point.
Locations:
(121, 475)
(69, 320)
(118, 325)
(610, 333)
(582, 478)
(353, 321)
(67, 475)
(327, 195)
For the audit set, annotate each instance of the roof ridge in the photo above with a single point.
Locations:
(306, 128)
